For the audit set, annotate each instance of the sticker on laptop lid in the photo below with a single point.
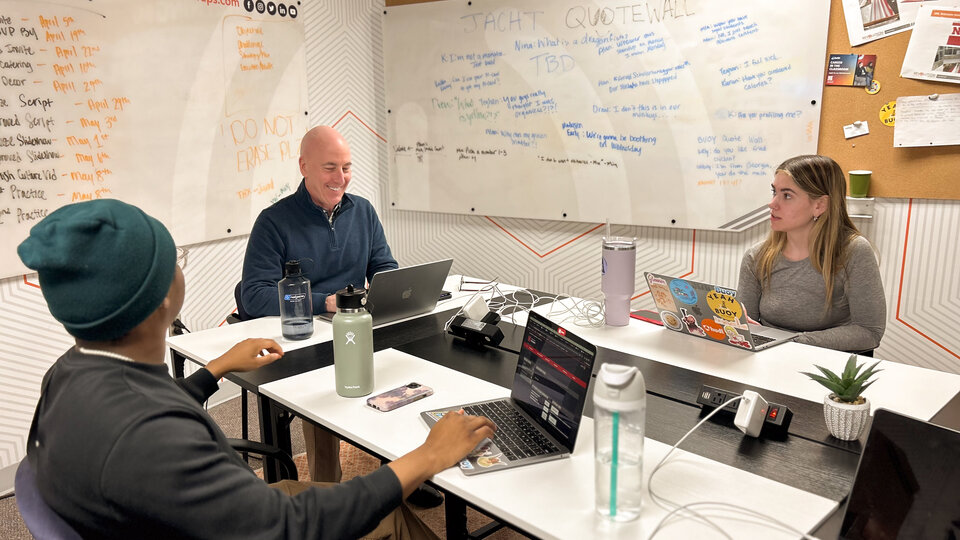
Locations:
(724, 305)
(660, 292)
(671, 320)
(683, 291)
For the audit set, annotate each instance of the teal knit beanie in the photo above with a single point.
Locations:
(104, 266)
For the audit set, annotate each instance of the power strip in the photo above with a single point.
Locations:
(776, 421)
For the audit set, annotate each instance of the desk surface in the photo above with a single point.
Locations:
(910, 390)
(508, 494)
(814, 464)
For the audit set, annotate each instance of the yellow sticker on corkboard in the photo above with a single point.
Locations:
(873, 88)
(888, 113)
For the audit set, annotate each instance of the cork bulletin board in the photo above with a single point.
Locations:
(925, 173)
(931, 172)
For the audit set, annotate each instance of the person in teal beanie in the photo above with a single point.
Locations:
(121, 450)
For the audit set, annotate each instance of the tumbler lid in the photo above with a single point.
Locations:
(351, 298)
(620, 243)
(619, 388)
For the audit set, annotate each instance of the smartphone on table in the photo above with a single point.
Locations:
(398, 397)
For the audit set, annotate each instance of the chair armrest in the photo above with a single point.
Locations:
(287, 466)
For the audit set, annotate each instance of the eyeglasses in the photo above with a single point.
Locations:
(182, 257)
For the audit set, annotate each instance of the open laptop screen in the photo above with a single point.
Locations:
(907, 483)
(553, 373)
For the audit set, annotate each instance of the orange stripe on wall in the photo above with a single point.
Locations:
(903, 265)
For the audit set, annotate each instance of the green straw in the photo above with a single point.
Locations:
(614, 458)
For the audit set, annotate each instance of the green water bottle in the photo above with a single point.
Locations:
(352, 344)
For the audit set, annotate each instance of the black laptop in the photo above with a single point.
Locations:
(541, 418)
(907, 483)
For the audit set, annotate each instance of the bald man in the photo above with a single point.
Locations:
(340, 241)
(339, 232)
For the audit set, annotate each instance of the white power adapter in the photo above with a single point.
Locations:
(475, 308)
(751, 413)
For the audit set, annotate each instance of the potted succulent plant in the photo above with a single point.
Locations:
(845, 410)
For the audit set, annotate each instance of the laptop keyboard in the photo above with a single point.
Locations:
(515, 436)
(760, 340)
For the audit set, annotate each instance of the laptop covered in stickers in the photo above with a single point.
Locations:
(709, 312)
(541, 418)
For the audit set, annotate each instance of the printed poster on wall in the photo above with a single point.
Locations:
(869, 20)
(934, 50)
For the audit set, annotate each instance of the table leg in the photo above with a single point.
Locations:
(177, 360)
(455, 513)
(274, 430)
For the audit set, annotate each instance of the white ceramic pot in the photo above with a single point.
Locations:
(844, 420)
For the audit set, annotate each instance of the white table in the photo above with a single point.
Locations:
(549, 500)
(910, 390)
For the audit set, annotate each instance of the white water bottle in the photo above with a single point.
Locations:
(620, 408)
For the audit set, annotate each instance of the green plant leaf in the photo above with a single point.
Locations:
(831, 385)
(851, 384)
(851, 369)
(829, 374)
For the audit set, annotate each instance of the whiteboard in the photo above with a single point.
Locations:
(667, 113)
(191, 110)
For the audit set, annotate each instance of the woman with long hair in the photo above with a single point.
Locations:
(814, 274)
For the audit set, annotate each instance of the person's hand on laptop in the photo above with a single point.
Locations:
(450, 439)
(749, 319)
(331, 304)
(247, 355)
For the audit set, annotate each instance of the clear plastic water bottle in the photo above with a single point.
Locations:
(296, 303)
(352, 344)
(620, 408)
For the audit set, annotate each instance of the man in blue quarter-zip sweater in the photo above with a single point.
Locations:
(340, 233)
(343, 237)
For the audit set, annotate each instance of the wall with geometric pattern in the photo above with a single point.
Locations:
(916, 239)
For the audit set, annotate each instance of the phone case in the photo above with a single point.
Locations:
(398, 397)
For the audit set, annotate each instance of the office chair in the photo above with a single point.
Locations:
(241, 313)
(45, 524)
(42, 522)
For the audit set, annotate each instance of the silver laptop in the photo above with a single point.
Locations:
(710, 312)
(404, 292)
(541, 418)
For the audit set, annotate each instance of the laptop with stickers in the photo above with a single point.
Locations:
(710, 312)
(541, 418)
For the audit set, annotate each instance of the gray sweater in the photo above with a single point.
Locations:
(794, 300)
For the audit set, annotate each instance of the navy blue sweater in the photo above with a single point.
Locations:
(348, 251)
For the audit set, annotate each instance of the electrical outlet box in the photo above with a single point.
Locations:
(776, 421)
(713, 397)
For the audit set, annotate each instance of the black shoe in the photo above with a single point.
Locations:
(425, 497)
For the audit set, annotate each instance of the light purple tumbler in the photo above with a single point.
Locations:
(617, 280)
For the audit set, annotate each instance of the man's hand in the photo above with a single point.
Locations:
(449, 441)
(245, 356)
(331, 303)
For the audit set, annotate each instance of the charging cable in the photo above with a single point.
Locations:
(742, 513)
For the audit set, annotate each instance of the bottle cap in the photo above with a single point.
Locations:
(292, 268)
(351, 298)
(619, 388)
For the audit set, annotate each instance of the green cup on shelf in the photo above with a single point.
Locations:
(859, 183)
